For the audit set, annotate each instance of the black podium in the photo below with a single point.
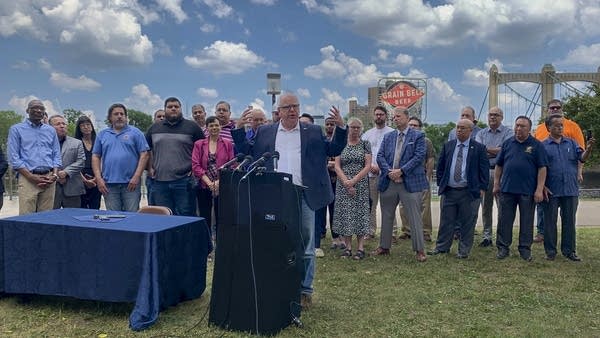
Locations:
(258, 257)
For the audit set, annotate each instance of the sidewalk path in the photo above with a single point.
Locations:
(588, 213)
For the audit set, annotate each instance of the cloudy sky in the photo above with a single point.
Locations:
(88, 54)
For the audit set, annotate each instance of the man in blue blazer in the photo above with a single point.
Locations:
(462, 177)
(402, 178)
(303, 152)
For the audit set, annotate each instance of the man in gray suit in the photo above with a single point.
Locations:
(70, 186)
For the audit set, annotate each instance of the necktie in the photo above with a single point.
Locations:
(398, 151)
(458, 165)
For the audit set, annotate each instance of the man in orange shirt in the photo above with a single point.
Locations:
(571, 130)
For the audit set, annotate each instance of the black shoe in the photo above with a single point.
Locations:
(485, 243)
(550, 257)
(573, 257)
(502, 254)
(462, 256)
(436, 252)
(527, 257)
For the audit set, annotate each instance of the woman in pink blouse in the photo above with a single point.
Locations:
(208, 155)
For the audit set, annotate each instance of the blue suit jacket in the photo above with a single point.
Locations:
(315, 149)
(411, 161)
(478, 167)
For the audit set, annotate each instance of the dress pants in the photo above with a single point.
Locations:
(33, 198)
(568, 209)
(389, 199)
(425, 215)
(487, 208)
(458, 207)
(508, 209)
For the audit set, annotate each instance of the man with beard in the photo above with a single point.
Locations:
(34, 152)
(70, 184)
(118, 159)
(375, 136)
(170, 165)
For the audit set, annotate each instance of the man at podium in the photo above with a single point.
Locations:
(303, 153)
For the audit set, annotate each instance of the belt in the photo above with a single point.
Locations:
(40, 171)
(461, 188)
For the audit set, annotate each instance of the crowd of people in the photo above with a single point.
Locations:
(346, 172)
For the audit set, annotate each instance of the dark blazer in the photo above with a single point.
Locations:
(315, 149)
(73, 160)
(411, 161)
(3, 168)
(478, 167)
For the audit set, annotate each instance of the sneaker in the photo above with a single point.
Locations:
(319, 253)
(485, 243)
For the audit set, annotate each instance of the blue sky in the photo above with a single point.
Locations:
(88, 54)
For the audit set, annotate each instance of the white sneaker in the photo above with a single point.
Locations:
(319, 253)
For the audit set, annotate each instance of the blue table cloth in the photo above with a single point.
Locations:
(153, 260)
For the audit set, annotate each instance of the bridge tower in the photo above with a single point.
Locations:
(547, 78)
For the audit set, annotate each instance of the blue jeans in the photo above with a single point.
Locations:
(176, 195)
(119, 199)
(308, 242)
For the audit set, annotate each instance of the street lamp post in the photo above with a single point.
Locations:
(273, 85)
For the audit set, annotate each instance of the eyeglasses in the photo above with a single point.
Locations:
(554, 107)
(289, 107)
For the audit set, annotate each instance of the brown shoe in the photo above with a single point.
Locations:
(421, 257)
(427, 237)
(380, 252)
(404, 236)
(305, 301)
(539, 238)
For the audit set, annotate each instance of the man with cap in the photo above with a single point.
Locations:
(34, 152)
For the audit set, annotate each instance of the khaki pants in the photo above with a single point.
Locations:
(425, 215)
(33, 198)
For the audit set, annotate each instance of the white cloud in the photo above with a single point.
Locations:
(336, 64)
(162, 48)
(143, 99)
(21, 65)
(303, 92)
(97, 33)
(207, 92)
(44, 64)
(19, 104)
(479, 77)
(219, 8)
(174, 8)
(207, 28)
(382, 54)
(223, 57)
(588, 56)
(330, 98)
(67, 83)
(442, 92)
(263, 2)
(504, 26)
(404, 60)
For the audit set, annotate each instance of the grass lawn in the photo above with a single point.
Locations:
(377, 297)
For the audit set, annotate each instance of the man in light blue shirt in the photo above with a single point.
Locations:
(34, 151)
(122, 152)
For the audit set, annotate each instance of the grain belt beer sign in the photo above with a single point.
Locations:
(402, 94)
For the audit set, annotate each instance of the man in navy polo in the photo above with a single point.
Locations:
(34, 151)
(119, 157)
(565, 157)
(519, 180)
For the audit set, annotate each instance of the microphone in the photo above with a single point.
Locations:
(246, 160)
(237, 158)
(261, 160)
(275, 158)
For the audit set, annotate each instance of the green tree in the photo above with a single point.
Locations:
(585, 110)
(71, 115)
(139, 119)
(7, 119)
(438, 134)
